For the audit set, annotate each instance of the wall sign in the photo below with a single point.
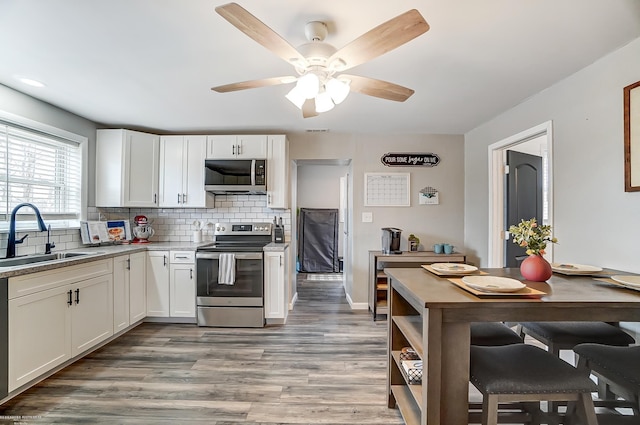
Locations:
(410, 159)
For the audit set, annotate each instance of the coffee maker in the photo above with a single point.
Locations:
(391, 240)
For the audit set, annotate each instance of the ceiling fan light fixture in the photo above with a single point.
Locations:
(324, 102)
(338, 90)
(309, 85)
(296, 97)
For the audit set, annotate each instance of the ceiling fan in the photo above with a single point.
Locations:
(320, 83)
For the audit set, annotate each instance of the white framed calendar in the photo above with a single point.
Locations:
(387, 190)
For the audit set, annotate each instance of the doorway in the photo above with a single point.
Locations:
(536, 141)
(325, 183)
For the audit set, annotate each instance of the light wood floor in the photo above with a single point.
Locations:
(327, 365)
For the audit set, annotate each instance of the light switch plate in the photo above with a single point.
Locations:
(367, 217)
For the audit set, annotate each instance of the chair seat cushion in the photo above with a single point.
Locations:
(618, 364)
(524, 369)
(493, 333)
(574, 333)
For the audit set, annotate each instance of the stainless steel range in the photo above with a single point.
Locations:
(229, 276)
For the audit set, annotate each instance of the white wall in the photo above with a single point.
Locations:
(595, 221)
(319, 185)
(431, 224)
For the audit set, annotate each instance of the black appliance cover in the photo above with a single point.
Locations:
(318, 240)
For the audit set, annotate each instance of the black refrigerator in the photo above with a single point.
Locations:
(318, 240)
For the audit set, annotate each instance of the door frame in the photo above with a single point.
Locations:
(497, 151)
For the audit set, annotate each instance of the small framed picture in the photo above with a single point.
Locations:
(632, 137)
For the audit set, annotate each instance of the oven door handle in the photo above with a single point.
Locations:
(239, 255)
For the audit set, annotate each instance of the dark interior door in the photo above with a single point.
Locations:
(523, 198)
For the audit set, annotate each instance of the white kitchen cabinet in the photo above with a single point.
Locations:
(277, 171)
(237, 147)
(56, 315)
(276, 275)
(182, 171)
(182, 284)
(91, 313)
(157, 284)
(126, 168)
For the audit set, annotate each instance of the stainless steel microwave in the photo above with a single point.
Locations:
(235, 176)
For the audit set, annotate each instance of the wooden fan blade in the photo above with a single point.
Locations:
(381, 39)
(258, 31)
(309, 108)
(378, 88)
(253, 84)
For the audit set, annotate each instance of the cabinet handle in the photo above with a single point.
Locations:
(164, 257)
(280, 258)
(269, 198)
(233, 149)
(184, 198)
(239, 149)
(178, 198)
(155, 198)
(191, 274)
(70, 299)
(78, 296)
(181, 257)
(128, 264)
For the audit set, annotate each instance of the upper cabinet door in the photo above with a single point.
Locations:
(141, 157)
(252, 147)
(195, 149)
(278, 172)
(171, 171)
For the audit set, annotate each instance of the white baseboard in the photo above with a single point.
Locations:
(356, 306)
(293, 301)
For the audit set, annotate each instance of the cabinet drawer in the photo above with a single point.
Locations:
(182, 257)
(36, 282)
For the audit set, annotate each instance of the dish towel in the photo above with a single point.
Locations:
(227, 269)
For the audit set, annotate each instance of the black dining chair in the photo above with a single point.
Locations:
(619, 367)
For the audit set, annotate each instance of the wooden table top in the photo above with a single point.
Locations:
(424, 289)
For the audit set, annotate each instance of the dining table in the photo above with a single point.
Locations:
(433, 313)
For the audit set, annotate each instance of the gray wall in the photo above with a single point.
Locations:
(431, 224)
(26, 106)
(595, 221)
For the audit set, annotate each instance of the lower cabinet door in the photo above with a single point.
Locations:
(274, 286)
(120, 293)
(92, 313)
(39, 334)
(158, 284)
(137, 287)
(182, 299)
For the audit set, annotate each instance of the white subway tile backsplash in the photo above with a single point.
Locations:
(169, 224)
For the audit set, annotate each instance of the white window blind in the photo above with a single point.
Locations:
(42, 169)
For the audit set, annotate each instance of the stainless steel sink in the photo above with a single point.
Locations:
(39, 258)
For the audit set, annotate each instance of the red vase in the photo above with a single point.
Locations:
(535, 268)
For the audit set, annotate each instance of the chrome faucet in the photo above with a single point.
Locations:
(11, 243)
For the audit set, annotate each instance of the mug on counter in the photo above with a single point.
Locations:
(448, 249)
(438, 248)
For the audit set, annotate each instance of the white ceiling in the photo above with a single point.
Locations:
(151, 63)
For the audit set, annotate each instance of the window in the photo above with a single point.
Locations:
(43, 169)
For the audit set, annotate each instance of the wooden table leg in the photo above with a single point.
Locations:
(447, 388)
